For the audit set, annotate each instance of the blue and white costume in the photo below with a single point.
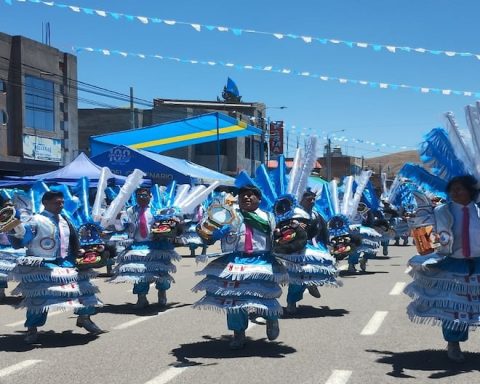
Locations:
(145, 261)
(47, 274)
(244, 281)
(314, 266)
(8, 258)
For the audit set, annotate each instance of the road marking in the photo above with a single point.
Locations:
(409, 268)
(21, 322)
(251, 325)
(166, 376)
(18, 367)
(139, 320)
(374, 324)
(339, 377)
(398, 288)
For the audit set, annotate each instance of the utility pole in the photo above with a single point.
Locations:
(132, 110)
(329, 159)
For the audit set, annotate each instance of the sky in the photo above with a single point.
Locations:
(365, 120)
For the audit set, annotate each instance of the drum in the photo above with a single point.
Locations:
(221, 212)
(425, 239)
(8, 221)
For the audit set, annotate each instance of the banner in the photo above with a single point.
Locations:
(276, 139)
(42, 148)
(306, 39)
(285, 71)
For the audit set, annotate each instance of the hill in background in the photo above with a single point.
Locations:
(392, 163)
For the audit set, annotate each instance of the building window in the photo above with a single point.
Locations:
(248, 141)
(3, 86)
(39, 104)
(210, 148)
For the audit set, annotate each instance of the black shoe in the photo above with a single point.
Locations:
(86, 323)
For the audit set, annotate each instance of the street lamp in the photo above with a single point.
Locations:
(329, 154)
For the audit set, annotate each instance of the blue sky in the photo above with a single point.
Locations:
(390, 118)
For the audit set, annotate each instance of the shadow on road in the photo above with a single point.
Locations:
(435, 361)
(359, 273)
(310, 312)
(129, 309)
(49, 339)
(217, 348)
(13, 301)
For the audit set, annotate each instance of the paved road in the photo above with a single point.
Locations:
(355, 334)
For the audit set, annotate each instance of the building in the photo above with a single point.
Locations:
(235, 154)
(38, 107)
(341, 165)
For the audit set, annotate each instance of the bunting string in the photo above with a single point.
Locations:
(296, 131)
(239, 31)
(285, 71)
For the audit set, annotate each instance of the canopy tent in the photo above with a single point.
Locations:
(163, 137)
(81, 166)
(161, 169)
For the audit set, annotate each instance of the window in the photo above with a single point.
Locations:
(248, 141)
(3, 117)
(39, 104)
(3, 86)
(210, 148)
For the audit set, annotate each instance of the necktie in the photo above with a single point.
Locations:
(466, 233)
(248, 239)
(143, 223)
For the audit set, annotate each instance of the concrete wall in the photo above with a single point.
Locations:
(22, 57)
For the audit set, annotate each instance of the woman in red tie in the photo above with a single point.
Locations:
(446, 286)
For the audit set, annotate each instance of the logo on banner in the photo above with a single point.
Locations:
(119, 155)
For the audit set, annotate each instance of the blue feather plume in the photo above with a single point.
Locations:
(437, 151)
(424, 179)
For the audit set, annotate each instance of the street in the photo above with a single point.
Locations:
(358, 333)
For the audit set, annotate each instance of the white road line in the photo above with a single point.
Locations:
(374, 324)
(139, 320)
(17, 323)
(166, 376)
(18, 367)
(339, 377)
(251, 325)
(398, 288)
(407, 271)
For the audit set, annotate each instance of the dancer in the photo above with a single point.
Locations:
(245, 279)
(306, 255)
(48, 277)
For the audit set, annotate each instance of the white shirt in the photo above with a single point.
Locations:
(474, 230)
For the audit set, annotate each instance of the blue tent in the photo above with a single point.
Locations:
(163, 137)
(161, 169)
(70, 174)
